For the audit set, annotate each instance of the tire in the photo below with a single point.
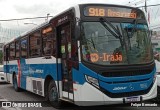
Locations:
(158, 95)
(157, 99)
(15, 85)
(53, 95)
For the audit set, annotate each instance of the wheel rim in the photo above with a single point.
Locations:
(53, 94)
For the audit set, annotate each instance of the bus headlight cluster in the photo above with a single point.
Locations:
(92, 80)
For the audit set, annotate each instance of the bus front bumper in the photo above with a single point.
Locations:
(87, 95)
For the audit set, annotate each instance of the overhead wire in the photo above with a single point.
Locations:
(23, 18)
(148, 6)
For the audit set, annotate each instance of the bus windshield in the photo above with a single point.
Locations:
(126, 43)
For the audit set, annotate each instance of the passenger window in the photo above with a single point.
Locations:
(24, 48)
(49, 41)
(12, 51)
(35, 44)
(17, 49)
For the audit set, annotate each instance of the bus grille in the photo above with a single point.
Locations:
(126, 94)
(125, 73)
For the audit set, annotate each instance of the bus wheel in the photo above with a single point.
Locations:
(53, 95)
(158, 94)
(15, 85)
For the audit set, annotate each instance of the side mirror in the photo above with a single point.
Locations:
(77, 28)
(77, 32)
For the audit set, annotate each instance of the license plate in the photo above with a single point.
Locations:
(132, 99)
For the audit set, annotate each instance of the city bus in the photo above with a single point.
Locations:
(90, 54)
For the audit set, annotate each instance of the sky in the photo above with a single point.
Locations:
(15, 9)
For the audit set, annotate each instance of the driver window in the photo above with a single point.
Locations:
(48, 41)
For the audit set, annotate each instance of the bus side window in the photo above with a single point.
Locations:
(17, 49)
(24, 48)
(12, 51)
(49, 46)
(35, 44)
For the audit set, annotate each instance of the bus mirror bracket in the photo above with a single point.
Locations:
(77, 28)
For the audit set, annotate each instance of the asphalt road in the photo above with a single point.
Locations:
(8, 93)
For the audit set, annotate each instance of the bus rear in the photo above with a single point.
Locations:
(116, 63)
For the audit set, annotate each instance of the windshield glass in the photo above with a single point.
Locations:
(126, 43)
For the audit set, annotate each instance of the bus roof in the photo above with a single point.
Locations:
(116, 5)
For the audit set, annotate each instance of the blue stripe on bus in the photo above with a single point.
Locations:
(78, 77)
(6, 69)
(85, 70)
(35, 70)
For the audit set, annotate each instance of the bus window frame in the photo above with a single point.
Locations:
(53, 34)
(29, 44)
(10, 59)
(16, 48)
(21, 47)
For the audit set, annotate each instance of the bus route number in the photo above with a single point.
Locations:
(96, 12)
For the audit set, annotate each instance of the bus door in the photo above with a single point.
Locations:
(64, 35)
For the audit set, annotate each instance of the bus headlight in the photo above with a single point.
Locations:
(92, 81)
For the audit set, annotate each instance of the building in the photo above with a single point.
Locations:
(7, 34)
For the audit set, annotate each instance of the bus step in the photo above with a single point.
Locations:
(65, 99)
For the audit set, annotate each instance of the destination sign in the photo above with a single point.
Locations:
(95, 57)
(47, 30)
(110, 12)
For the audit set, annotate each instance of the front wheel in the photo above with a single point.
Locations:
(157, 99)
(15, 85)
(53, 95)
(158, 94)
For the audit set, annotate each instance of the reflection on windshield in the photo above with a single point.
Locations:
(100, 46)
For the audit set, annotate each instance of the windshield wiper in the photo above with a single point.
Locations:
(113, 27)
(117, 34)
(112, 32)
(117, 30)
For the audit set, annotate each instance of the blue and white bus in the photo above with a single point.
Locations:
(91, 52)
